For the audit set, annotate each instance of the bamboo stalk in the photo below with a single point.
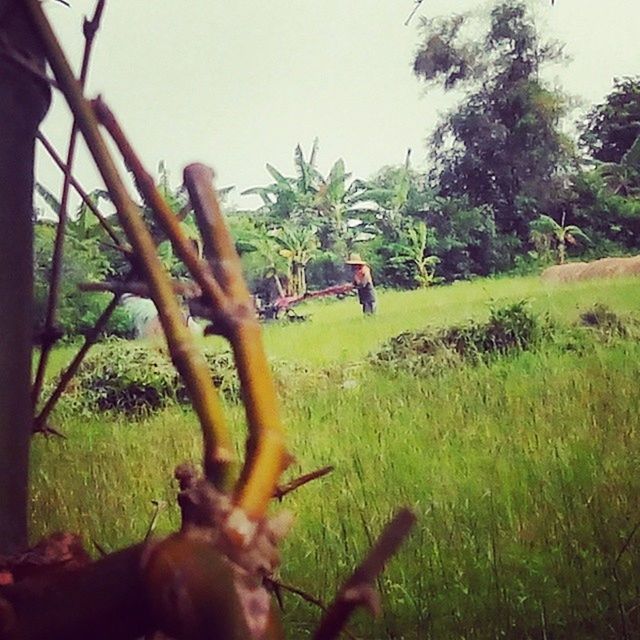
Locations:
(266, 453)
(189, 362)
(90, 30)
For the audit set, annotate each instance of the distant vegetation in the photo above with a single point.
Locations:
(507, 189)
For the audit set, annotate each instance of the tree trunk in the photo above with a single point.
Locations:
(24, 100)
(562, 250)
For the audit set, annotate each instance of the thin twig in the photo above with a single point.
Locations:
(80, 191)
(415, 8)
(158, 505)
(188, 360)
(71, 370)
(282, 490)
(274, 584)
(266, 454)
(627, 542)
(58, 246)
(359, 589)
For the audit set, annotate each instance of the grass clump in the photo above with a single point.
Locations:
(608, 324)
(509, 327)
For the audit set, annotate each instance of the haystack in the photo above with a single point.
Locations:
(603, 268)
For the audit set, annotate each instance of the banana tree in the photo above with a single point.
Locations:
(415, 252)
(288, 198)
(623, 178)
(390, 191)
(297, 245)
(546, 231)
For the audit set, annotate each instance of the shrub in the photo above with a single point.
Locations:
(510, 327)
(136, 379)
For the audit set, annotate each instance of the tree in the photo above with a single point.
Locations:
(396, 191)
(545, 232)
(327, 203)
(297, 246)
(289, 198)
(623, 177)
(501, 146)
(414, 252)
(611, 127)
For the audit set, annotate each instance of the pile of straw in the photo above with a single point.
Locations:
(603, 268)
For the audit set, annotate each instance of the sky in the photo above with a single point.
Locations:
(238, 84)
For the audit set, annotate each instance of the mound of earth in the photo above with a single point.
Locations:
(603, 268)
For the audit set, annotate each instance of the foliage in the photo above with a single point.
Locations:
(84, 260)
(501, 147)
(611, 220)
(546, 234)
(609, 324)
(297, 246)
(414, 252)
(611, 127)
(137, 378)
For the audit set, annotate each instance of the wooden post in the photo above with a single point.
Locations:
(24, 100)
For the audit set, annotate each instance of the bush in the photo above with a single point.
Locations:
(511, 327)
(138, 379)
(77, 311)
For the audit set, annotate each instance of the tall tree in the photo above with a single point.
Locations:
(501, 146)
(611, 127)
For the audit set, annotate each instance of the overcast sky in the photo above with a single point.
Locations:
(239, 83)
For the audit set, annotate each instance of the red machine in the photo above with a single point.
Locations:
(283, 306)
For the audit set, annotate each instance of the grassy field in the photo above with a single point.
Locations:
(523, 471)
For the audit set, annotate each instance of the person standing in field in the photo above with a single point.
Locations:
(363, 282)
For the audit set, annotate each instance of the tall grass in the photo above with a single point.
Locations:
(523, 472)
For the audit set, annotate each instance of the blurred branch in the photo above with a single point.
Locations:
(141, 289)
(188, 360)
(277, 585)
(170, 223)
(80, 191)
(359, 589)
(58, 247)
(282, 490)
(266, 457)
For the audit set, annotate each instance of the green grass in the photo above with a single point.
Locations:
(523, 471)
(338, 332)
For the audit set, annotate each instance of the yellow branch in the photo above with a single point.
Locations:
(266, 453)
